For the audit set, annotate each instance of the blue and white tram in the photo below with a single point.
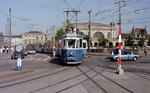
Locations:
(71, 48)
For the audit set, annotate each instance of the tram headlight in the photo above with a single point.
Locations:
(71, 53)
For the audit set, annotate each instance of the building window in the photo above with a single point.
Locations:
(42, 38)
(95, 44)
(108, 34)
(98, 35)
(36, 38)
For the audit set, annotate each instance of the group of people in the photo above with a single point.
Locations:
(4, 49)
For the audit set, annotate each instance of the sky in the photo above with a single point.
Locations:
(42, 15)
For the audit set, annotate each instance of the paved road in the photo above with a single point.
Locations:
(41, 74)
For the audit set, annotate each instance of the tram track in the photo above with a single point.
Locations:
(83, 72)
(24, 81)
(100, 73)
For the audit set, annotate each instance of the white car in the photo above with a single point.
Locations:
(31, 51)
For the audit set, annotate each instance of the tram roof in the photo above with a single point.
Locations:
(72, 36)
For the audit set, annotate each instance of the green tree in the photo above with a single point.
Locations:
(86, 38)
(103, 41)
(148, 41)
(141, 42)
(69, 27)
(130, 41)
(125, 35)
(59, 33)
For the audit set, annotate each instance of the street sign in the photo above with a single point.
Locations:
(19, 48)
(75, 29)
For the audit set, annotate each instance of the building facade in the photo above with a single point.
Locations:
(138, 33)
(34, 38)
(16, 40)
(1, 39)
(99, 30)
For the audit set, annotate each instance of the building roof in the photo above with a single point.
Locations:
(16, 36)
(141, 31)
(92, 24)
(34, 32)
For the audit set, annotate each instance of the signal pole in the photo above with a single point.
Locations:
(89, 30)
(119, 70)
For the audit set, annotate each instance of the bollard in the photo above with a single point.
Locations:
(112, 53)
(19, 66)
(54, 53)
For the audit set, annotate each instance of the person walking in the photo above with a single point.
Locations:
(7, 49)
(145, 51)
(3, 49)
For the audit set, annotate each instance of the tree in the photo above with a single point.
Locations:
(148, 41)
(130, 41)
(69, 27)
(103, 41)
(141, 42)
(125, 35)
(59, 33)
(86, 38)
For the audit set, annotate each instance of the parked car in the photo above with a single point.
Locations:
(15, 54)
(25, 52)
(31, 51)
(125, 55)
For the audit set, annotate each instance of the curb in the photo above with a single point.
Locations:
(5, 58)
(16, 74)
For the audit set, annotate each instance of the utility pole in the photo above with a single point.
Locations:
(89, 30)
(10, 27)
(119, 70)
(67, 13)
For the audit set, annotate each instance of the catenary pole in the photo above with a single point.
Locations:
(89, 26)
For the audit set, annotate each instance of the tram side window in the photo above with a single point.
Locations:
(84, 45)
(64, 43)
(71, 43)
(80, 43)
(77, 43)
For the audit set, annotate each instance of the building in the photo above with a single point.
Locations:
(1, 39)
(34, 38)
(16, 40)
(138, 33)
(98, 30)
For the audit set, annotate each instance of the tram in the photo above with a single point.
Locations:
(71, 48)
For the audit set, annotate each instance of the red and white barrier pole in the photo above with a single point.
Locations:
(119, 70)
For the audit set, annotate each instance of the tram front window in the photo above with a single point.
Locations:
(71, 43)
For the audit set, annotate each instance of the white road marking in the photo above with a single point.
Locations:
(46, 59)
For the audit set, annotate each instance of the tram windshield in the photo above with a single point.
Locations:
(71, 43)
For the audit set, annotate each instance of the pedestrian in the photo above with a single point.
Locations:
(7, 49)
(3, 49)
(105, 50)
(145, 51)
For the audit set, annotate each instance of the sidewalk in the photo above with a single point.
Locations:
(5, 56)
